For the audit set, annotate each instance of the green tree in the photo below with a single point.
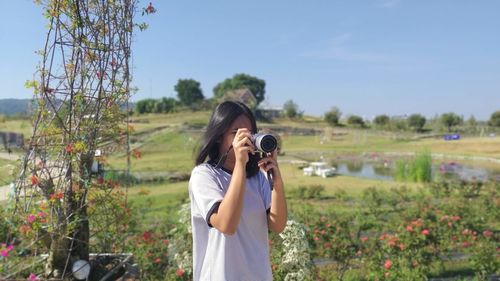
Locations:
(238, 81)
(495, 119)
(355, 120)
(381, 120)
(416, 122)
(450, 119)
(188, 91)
(332, 117)
(291, 109)
(145, 106)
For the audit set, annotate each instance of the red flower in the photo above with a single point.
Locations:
(150, 9)
(136, 153)
(465, 244)
(388, 264)
(165, 241)
(328, 245)
(100, 180)
(179, 272)
(409, 228)
(69, 148)
(146, 235)
(60, 195)
(425, 232)
(363, 239)
(157, 260)
(49, 90)
(34, 180)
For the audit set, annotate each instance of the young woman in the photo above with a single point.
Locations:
(232, 204)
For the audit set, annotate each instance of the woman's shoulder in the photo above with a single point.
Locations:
(204, 168)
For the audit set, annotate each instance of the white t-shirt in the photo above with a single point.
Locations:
(243, 256)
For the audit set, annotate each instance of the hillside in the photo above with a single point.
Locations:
(12, 107)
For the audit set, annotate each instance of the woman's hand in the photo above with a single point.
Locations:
(242, 145)
(269, 162)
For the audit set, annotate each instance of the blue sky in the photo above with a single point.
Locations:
(366, 57)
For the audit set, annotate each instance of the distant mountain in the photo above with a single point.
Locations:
(11, 107)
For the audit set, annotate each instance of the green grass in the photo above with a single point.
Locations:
(157, 201)
(22, 126)
(5, 171)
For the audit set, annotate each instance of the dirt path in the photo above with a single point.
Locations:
(9, 156)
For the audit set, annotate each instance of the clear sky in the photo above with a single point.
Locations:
(366, 57)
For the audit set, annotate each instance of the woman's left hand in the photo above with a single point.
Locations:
(269, 162)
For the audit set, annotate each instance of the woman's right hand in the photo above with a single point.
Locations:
(242, 145)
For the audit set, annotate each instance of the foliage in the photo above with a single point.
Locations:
(291, 109)
(355, 120)
(332, 117)
(163, 105)
(381, 120)
(495, 119)
(238, 81)
(188, 91)
(293, 260)
(450, 120)
(416, 122)
(418, 169)
(308, 192)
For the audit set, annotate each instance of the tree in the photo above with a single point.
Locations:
(238, 81)
(291, 109)
(416, 122)
(188, 91)
(381, 120)
(495, 119)
(356, 120)
(450, 120)
(332, 117)
(145, 106)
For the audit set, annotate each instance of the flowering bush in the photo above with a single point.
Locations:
(293, 260)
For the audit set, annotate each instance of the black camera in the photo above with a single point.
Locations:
(264, 142)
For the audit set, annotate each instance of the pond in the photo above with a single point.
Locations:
(384, 170)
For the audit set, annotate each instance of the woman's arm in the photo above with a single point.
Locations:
(278, 214)
(227, 217)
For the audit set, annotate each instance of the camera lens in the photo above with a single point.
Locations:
(265, 142)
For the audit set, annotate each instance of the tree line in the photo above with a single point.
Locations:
(190, 95)
(450, 121)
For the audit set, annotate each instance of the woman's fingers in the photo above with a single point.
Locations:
(267, 163)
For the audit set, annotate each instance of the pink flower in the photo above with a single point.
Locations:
(4, 253)
(409, 228)
(32, 277)
(41, 214)
(425, 232)
(487, 233)
(388, 264)
(10, 248)
(31, 218)
(363, 239)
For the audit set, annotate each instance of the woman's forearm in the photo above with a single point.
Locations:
(227, 218)
(278, 214)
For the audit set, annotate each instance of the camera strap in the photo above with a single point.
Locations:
(223, 158)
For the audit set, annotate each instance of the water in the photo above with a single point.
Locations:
(443, 170)
(365, 170)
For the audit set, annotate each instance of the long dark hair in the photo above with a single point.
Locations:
(222, 117)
